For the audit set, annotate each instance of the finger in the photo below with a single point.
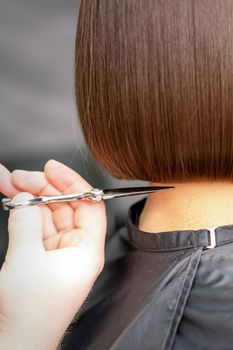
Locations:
(63, 240)
(88, 215)
(6, 186)
(36, 183)
(25, 227)
(64, 178)
(49, 228)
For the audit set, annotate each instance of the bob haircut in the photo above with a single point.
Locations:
(154, 87)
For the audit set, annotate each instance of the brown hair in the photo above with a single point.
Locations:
(154, 84)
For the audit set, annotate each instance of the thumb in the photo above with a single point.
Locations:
(25, 226)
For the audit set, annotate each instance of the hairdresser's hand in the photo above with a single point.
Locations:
(55, 254)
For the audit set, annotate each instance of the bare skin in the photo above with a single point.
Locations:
(189, 206)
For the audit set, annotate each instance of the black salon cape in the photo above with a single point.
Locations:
(160, 291)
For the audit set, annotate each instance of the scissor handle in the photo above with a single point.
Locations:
(94, 195)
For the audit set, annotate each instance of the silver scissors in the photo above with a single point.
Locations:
(94, 195)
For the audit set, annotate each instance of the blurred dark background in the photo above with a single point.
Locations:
(37, 107)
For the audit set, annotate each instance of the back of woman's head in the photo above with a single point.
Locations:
(154, 87)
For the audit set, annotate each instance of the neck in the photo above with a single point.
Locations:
(188, 206)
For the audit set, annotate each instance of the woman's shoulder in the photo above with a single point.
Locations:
(133, 288)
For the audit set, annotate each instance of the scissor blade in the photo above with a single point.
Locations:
(131, 191)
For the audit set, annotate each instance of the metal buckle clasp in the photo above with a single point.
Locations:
(212, 238)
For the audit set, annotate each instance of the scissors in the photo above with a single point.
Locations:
(94, 195)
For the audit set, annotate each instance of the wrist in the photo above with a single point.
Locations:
(9, 342)
(35, 333)
(36, 328)
(27, 339)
